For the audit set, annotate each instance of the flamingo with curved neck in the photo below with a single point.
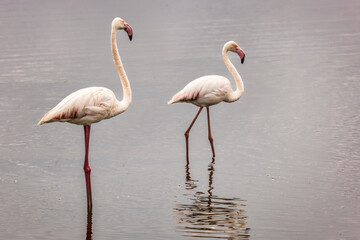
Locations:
(212, 89)
(91, 105)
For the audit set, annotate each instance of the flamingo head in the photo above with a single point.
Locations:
(233, 47)
(120, 24)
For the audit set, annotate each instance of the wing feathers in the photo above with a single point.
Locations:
(207, 90)
(84, 107)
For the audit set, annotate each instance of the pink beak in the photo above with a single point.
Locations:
(128, 30)
(241, 54)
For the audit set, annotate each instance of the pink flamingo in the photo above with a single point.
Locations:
(93, 104)
(212, 89)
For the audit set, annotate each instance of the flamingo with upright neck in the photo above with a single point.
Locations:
(212, 89)
(91, 105)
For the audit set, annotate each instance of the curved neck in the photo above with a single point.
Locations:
(234, 95)
(125, 102)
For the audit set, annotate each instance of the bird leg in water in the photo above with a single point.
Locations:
(89, 225)
(210, 137)
(187, 134)
(87, 169)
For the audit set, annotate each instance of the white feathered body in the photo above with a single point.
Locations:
(213, 89)
(93, 104)
(84, 107)
(204, 91)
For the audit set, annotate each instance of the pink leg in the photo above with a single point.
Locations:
(87, 169)
(210, 137)
(187, 134)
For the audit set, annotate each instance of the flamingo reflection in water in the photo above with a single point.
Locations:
(208, 215)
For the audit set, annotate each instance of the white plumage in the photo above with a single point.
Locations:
(213, 89)
(204, 91)
(84, 107)
(93, 104)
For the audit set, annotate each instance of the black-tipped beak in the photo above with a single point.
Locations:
(128, 30)
(241, 54)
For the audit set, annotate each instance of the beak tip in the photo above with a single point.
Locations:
(128, 30)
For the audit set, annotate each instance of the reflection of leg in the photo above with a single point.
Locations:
(210, 137)
(89, 225)
(87, 169)
(187, 134)
(211, 170)
(189, 183)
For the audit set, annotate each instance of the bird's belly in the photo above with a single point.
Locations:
(207, 100)
(86, 120)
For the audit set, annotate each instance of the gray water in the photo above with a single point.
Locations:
(287, 153)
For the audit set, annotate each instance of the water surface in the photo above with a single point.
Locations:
(287, 153)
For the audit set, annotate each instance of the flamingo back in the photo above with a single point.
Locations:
(83, 107)
(204, 91)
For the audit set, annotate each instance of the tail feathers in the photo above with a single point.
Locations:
(45, 119)
(175, 98)
(171, 101)
(49, 117)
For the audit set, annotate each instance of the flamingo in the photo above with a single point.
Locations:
(93, 104)
(212, 89)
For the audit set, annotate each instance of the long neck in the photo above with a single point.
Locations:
(125, 102)
(234, 95)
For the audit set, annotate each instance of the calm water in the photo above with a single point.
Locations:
(288, 158)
